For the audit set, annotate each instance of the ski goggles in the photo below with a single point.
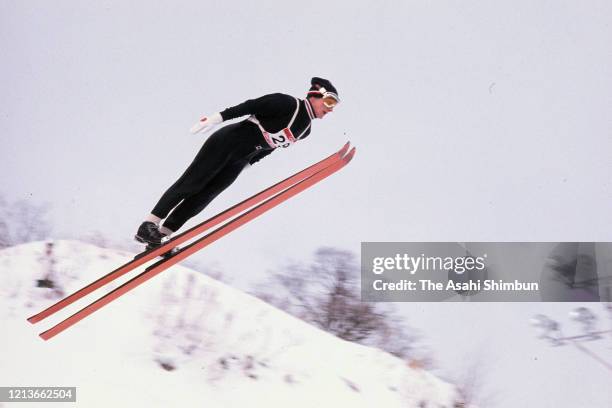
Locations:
(330, 99)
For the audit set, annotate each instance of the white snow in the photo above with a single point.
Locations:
(226, 348)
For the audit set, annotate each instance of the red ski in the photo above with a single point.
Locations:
(189, 234)
(273, 196)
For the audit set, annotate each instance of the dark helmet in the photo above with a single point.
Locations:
(322, 88)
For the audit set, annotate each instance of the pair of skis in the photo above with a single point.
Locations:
(245, 211)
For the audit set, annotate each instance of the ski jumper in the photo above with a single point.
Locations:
(276, 120)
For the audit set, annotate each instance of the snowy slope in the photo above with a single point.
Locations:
(185, 339)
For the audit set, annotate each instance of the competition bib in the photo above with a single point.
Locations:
(285, 137)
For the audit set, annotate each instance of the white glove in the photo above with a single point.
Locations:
(206, 123)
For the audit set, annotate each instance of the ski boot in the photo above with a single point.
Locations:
(148, 233)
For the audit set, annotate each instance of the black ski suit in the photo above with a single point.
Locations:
(276, 120)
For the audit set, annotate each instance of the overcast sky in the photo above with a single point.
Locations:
(474, 121)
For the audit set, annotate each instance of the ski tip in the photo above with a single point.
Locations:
(34, 319)
(344, 149)
(45, 336)
(349, 155)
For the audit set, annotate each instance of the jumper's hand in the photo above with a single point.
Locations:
(206, 123)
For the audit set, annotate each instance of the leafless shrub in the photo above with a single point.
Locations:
(50, 278)
(180, 328)
(471, 384)
(192, 328)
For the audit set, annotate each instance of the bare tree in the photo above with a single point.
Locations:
(21, 222)
(326, 293)
(4, 229)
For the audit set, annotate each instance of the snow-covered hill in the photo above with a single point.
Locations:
(184, 339)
